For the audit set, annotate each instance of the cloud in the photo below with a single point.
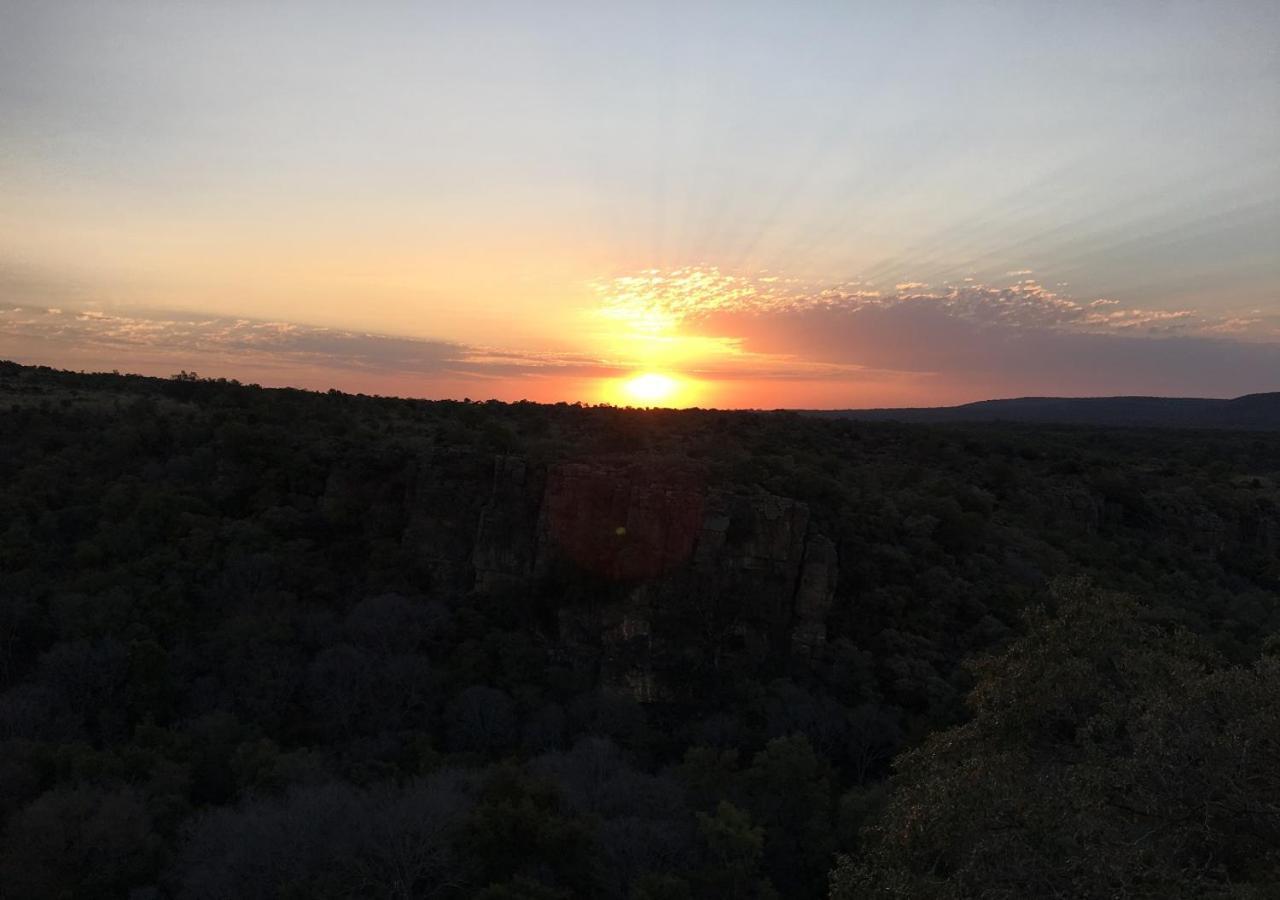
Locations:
(968, 340)
(851, 343)
(1002, 353)
(663, 300)
(190, 339)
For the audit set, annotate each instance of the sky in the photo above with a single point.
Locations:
(717, 204)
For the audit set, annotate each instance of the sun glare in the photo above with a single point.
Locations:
(651, 388)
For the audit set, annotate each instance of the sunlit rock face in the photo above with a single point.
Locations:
(655, 572)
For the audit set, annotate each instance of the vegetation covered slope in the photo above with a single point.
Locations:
(1252, 412)
(252, 643)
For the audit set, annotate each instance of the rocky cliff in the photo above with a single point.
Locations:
(680, 575)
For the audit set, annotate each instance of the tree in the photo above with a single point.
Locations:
(79, 842)
(389, 840)
(643, 823)
(520, 829)
(481, 719)
(1106, 757)
(789, 793)
(732, 848)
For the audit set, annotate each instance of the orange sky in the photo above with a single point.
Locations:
(768, 205)
(697, 336)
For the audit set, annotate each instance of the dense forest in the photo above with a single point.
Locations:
(274, 643)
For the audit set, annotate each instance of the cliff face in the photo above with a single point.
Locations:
(657, 579)
(681, 575)
(444, 498)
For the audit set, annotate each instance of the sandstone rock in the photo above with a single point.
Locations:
(815, 593)
(506, 536)
(684, 572)
(616, 524)
(440, 531)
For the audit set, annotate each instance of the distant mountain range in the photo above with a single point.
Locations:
(1255, 412)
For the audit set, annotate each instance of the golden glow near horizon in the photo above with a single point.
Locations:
(649, 389)
(637, 324)
(652, 388)
(357, 204)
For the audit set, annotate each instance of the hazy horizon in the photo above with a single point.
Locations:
(731, 205)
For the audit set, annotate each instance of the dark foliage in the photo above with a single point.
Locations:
(245, 652)
(1106, 757)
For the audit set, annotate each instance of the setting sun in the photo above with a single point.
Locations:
(651, 388)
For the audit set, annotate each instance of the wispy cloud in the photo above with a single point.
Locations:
(656, 299)
(915, 342)
(190, 339)
(971, 339)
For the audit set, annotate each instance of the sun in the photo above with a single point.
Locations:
(651, 388)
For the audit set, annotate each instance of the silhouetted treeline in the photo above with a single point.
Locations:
(1252, 412)
(274, 643)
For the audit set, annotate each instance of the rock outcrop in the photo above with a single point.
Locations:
(506, 540)
(679, 574)
(442, 513)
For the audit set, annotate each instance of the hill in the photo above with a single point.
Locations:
(1252, 412)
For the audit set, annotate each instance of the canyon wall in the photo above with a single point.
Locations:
(671, 568)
